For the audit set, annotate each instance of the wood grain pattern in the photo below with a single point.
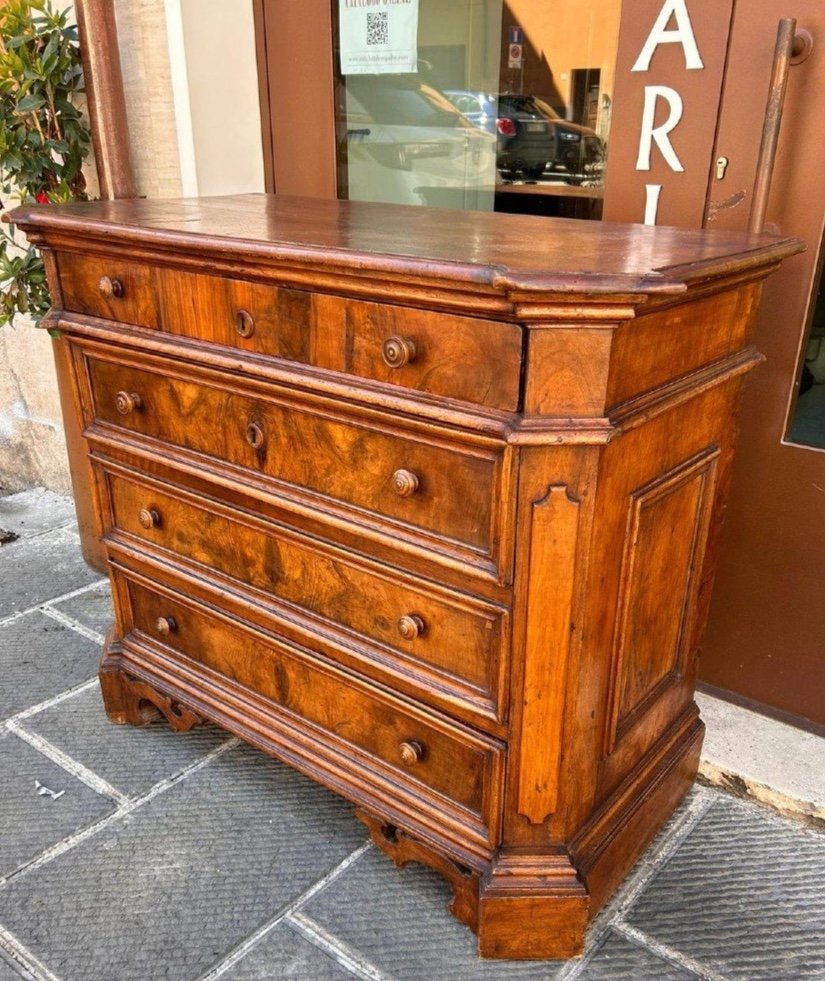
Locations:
(424, 504)
(552, 560)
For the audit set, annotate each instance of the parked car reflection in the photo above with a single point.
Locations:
(532, 137)
(404, 142)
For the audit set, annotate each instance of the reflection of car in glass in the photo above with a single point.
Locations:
(404, 142)
(531, 134)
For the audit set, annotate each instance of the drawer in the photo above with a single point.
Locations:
(463, 358)
(436, 637)
(112, 288)
(368, 726)
(411, 484)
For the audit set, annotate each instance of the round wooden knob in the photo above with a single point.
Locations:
(166, 626)
(127, 402)
(411, 626)
(244, 323)
(110, 288)
(405, 483)
(398, 351)
(149, 518)
(255, 436)
(412, 752)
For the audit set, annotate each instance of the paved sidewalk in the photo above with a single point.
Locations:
(143, 854)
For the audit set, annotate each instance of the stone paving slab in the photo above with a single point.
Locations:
(39, 658)
(34, 511)
(32, 822)
(619, 959)
(744, 895)
(92, 608)
(398, 919)
(34, 570)
(285, 954)
(131, 759)
(172, 888)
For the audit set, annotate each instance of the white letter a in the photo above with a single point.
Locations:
(683, 34)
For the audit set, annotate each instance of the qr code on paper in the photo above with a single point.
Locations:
(378, 28)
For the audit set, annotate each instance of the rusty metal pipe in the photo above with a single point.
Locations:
(783, 52)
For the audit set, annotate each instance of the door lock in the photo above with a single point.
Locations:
(721, 167)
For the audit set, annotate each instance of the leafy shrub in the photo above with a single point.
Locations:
(43, 137)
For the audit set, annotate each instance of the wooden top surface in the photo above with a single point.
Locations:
(505, 252)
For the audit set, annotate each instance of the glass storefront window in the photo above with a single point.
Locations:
(808, 418)
(507, 108)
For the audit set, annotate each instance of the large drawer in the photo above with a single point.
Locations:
(411, 483)
(449, 645)
(424, 752)
(472, 360)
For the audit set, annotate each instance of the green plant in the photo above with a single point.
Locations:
(43, 137)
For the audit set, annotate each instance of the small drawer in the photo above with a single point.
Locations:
(111, 288)
(362, 724)
(400, 624)
(419, 485)
(462, 358)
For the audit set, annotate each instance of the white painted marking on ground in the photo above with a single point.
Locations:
(642, 939)
(335, 948)
(48, 610)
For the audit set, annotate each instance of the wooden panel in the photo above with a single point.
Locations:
(455, 763)
(664, 549)
(553, 536)
(335, 460)
(647, 349)
(459, 646)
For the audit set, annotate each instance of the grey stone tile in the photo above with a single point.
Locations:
(398, 919)
(131, 759)
(34, 570)
(743, 894)
(618, 959)
(40, 658)
(93, 608)
(285, 954)
(31, 822)
(34, 511)
(178, 884)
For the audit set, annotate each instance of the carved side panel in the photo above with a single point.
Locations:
(553, 531)
(667, 530)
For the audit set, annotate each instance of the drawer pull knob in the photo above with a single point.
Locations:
(127, 402)
(405, 483)
(255, 436)
(110, 288)
(398, 351)
(166, 626)
(149, 518)
(412, 752)
(244, 323)
(411, 626)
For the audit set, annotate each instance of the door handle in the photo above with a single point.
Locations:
(783, 53)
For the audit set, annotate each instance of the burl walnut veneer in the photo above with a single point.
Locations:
(422, 503)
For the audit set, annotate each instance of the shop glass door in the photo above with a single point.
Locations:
(475, 104)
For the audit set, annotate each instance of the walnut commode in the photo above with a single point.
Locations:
(422, 503)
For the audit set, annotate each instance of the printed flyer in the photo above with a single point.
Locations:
(378, 37)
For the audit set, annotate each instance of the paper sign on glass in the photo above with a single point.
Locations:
(378, 37)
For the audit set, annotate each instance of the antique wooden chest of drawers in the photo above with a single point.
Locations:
(421, 503)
